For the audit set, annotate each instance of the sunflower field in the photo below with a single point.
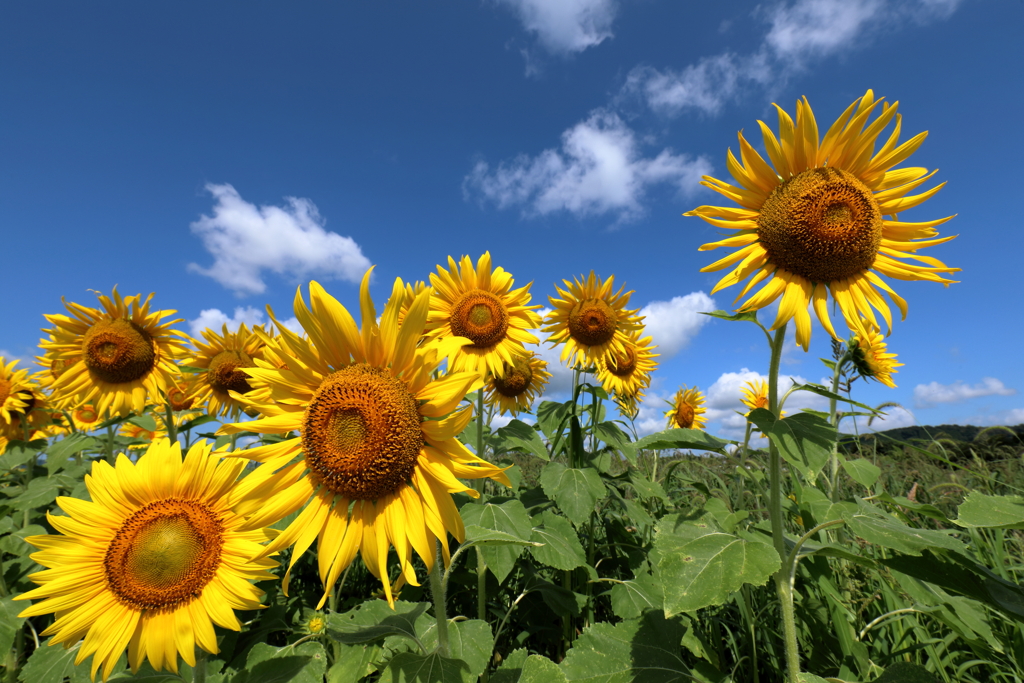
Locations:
(335, 503)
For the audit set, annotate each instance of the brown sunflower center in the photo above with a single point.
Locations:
(517, 379)
(226, 374)
(361, 433)
(623, 365)
(592, 322)
(823, 224)
(481, 317)
(118, 351)
(684, 415)
(164, 554)
(5, 390)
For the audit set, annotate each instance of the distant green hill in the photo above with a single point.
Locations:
(964, 433)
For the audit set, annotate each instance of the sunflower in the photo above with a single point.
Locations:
(17, 392)
(870, 356)
(628, 372)
(120, 354)
(755, 394)
(181, 394)
(519, 385)
(85, 417)
(379, 453)
(687, 409)
(629, 406)
(224, 357)
(155, 559)
(140, 433)
(822, 218)
(480, 305)
(590, 319)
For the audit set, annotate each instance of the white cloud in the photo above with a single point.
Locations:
(927, 395)
(563, 27)
(894, 418)
(598, 170)
(215, 319)
(245, 240)
(797, 32)
(674, 323)
(704, 86)
(814, 28)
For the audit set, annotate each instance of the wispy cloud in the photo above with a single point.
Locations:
(564, 27)
(673, 324)
(598, 169)
(246, 240)
(215, 319)
(928, 395)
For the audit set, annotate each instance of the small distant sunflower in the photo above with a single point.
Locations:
(822, 218)
(377, 436)
(225, 357)
(519, 385)
(480, 305)
(629, 371)
(16, 391)
(687, 410)
(151, 563)
(86, 417)
(181, 394)
(590, 319)
(755, 394)
(870, 356)
(121, 354)
(140, 433)
(629, 406)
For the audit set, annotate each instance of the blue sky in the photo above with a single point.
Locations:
(219, 154)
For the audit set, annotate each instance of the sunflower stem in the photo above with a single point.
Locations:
(199, 670)
(437, 592)
(172, 429)
(833, 416)
(782, 584)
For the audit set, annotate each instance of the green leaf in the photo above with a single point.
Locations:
(374, 620)
(353, 663)
(552, 418)
(469, 641)
(804, 440)
(58, 454)
(39, 493)
(905, 672)
(49, 664)
(644, 650)
(304, 663)
(576, 491)
(519, 436)
(409, 667)
(561, 549)
(693, 439)
(698, 565)
(956, 573)
(20, 452)
(479, 536)
(745, 316)
(646, 488)
(145, 421)
(612, 434)
(862, 471)
(920, 508)
(877, 527)
(810, 678)
(511, 668)
(981, 511)
(561, 601)
(10, 622)
(540, 669)
(509, 517)
(15, 544)
(632, 598)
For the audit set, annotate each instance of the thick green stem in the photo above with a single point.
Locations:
(833, 416)
(775, 514)
(199, 670)
(440, 614)
(14, 657)
(172, 429)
